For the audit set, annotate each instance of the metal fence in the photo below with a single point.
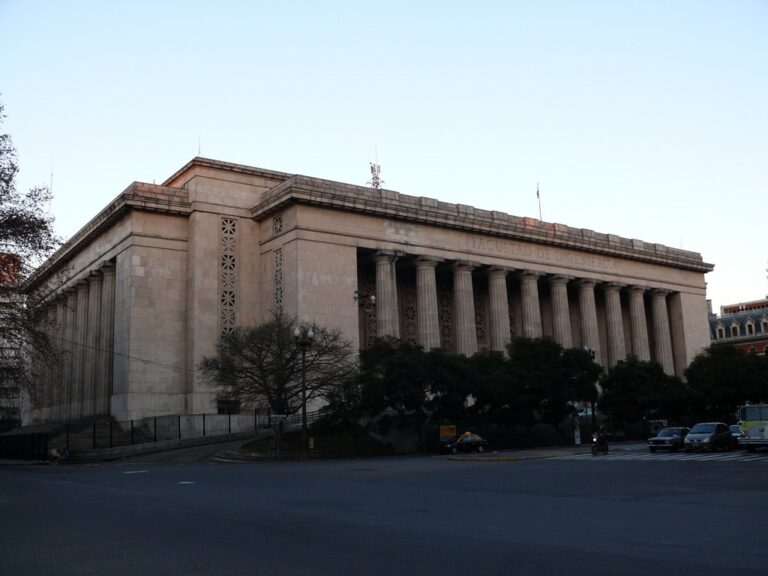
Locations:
(111, 433)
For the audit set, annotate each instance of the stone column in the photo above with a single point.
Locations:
(93, 345)
(589, 337)
(80, 350)
(499, 320)
(70, 349)
(60, 373)
(531, 310)
(107, 341)
(49, 366)
(464, 307)
(639, 326)
(615, 324)
(427, 321)
(387, 316)
(661, 337)
(561, 315)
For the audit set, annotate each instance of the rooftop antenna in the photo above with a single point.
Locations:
(376, 180)
(50, 188)
(538, 199)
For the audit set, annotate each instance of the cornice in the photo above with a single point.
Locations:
(418, 209)
(138, 196)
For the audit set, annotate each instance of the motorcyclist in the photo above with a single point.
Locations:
(602, 438)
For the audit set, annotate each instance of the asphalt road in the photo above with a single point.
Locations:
(398, 516)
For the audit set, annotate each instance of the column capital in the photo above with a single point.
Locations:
(464, 266)
(426, 262)
(499, 271)
(660, 292)
(637, 288)
(613, 286)
(95, 274)
(559, 278)
(587, 282)
(533, 273)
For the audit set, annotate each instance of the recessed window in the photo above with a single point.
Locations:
(734, 330)
(720, 332)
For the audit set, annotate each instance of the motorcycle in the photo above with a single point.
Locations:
(599, 444)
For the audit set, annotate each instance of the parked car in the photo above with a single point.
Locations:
(709, 436)
(668, 439)
(467, 442)
(736, 432)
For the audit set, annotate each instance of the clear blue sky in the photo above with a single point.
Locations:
(647, 119)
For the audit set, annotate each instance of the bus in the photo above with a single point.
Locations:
(753, 420)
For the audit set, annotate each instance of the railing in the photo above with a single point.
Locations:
(111, 433)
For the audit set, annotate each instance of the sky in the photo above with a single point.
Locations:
(646, 119)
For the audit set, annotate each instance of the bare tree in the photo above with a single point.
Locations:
(263, 365)
(26, 238)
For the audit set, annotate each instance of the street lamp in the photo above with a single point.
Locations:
(367, 301)
(303, 339)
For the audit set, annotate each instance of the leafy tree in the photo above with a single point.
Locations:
(724, 377)
(549, 378)
(635, 390)
(394, 377)
(26, 238)
(262, 364)
(452, 381)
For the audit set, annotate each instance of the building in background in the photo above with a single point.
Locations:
(11, 368)
(744, 325)
(143, 292)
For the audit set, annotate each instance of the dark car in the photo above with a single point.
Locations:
(467, 442)
(736, 432)
(709, 436)
(668, 439)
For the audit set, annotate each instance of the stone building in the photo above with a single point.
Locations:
(143, 291)
(744, 325)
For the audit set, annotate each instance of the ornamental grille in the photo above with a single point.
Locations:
(512, 331)
(445, 314)
(277, 224)
(228, 276)
(367, 286)
(480, 316)
(408, 321)
(278, 281)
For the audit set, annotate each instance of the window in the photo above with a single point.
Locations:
(750, 326)
(734, 330)
(720, 332)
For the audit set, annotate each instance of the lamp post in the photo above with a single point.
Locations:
(303, 339)
(367, 301)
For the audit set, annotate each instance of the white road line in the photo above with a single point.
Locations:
(185, 482)
(135, 471)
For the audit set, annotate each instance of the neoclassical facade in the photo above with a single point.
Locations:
(143, 292)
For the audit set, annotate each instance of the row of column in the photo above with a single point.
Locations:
(428, 328)
(81, 327)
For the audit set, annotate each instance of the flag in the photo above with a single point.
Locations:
(537, 191)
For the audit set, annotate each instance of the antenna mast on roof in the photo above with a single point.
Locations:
(375, 180)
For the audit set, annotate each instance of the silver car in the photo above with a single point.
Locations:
(709, 436)
(668, 439)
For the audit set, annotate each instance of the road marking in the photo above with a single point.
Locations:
(697, 457)
(135, 471)
(185, 482)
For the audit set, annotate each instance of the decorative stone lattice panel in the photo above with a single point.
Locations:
(277, 224)
(510, 305)
(480, 325)
(228, 275)
(408, 318)
(278, 268)
(445, 315)
(366, 288)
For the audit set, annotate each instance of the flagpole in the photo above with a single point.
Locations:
(538, 198)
